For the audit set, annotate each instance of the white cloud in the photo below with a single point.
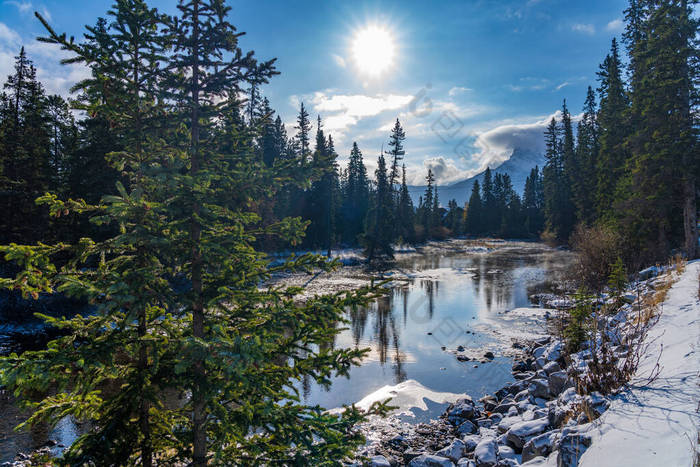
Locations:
(56, 78)
(496, 145)
(340, 61)
(23, 7)
(456, 90)
(584, 28)
(446, 171)
(530, 83)
(562, 85)
(615, 25)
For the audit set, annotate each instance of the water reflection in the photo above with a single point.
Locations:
(443, 295)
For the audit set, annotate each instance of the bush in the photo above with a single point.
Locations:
(598, 248)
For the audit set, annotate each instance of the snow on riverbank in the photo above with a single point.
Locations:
(653, 424)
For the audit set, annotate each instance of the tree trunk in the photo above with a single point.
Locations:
(690, 221)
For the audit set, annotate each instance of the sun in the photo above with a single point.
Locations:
(373, 50)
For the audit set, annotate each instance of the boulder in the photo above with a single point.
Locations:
(520, 433)
(558, 381)
(486, 453)
(595, 404)
(539, 388)
(466, 428)
(553, 352)
(410, 454)
(429, 460)
(496, 417)
(506, 452)
(466, 463)
(454, 451)
(470, 442)
(541, 445)
(484, 423)
(507, 423)
(520, 366)
(462, 409)
(551, 367)
(571, 448)
(504, 406)
(648, 273)
(379, 461)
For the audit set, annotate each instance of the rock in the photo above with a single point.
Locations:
(595, 404)
(463, 358)
(484, 423)
(520, 433)
(522, 395)
(541, 445)
(470, 442)
(466, 428)
(410, 454)
(540, 362)
(648, 273)
(489, 402)
(507, 423)
(571, 447)
(486, 453)
(429, 460)
(489, 355)
(523, 375)
(539, 352)
(506, 452)
(460, 348)
(553, 352)
(379, 461)
(629, 298)
(551, 367)
(520, 366)
(455, 451)
(466, 463)
(496, 417)
(539, 388)
(557, 414)
(558, 381)
(462, 409)
(505, 406)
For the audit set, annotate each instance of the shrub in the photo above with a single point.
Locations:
(598, 248)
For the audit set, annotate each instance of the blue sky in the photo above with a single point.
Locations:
(469, 80)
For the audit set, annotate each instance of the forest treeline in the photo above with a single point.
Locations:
(632, 165)
(45, 148)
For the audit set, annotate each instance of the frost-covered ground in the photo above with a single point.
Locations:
(655, 424)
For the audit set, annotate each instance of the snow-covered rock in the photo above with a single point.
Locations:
(486, 453)
(429, 460)
(379, 461)
(539, 388)
(455, 451)
(520, 433)
(541, 445)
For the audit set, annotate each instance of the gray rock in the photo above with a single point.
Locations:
(558, 381)
(522, 432)
(496, 417)
(461, 409)
(466, 463)
(595, 404)
(648, 273)
(506, 452)
(455, 451)
(571, 448)
(486, 453)
(470, 442)
(484, 423)
(489, 355)
(541, 445)
(466, 428)
(520, 366)
(553, 352)
(539, 388)
(508, 422)
(551, 367)
(522, 395)
(379, 461)
(429, 460)
(410, 454)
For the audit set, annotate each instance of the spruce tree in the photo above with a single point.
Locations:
(405, 210)
(474, 221)
(381, 222)
(583, 178)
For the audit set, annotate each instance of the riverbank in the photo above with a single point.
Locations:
(543, 418)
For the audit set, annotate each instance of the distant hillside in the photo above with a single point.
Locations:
(518, 167)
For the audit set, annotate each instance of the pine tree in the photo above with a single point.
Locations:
(381, 227)
(405, 210)
(474, 224)
(396, 151)
(356, 198)
(303, 128)
(611, 122)
(587, 147)
(569, 172)
(532, 203)
(489, 217)
(428, 204)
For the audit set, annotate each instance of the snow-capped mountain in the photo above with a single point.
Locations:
(518, 166)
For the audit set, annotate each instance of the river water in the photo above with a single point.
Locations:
(446, 299)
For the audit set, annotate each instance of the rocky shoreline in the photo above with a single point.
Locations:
(540, 419)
